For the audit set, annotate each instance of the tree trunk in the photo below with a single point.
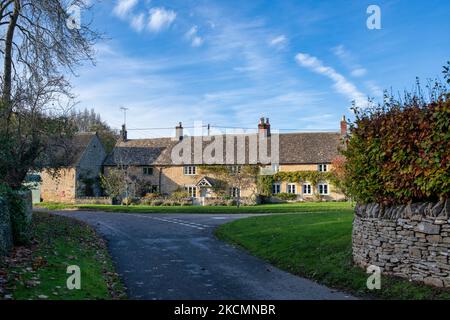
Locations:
(7, 67)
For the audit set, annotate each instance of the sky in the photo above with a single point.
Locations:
(227, 63)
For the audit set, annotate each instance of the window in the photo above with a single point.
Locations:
(147, 171)
(154, 189)
(322, 167)
(192, 190)
(190, 170)
(235, 192)
(276, 188)
(292, 188)
(323, 189)
(307, 188)
(235, 169)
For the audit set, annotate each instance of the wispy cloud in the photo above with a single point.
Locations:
(124, 7)
(193, 37)
(349, 61)
(278, 42)
(341, 84)
(160, 18)
(138, 22)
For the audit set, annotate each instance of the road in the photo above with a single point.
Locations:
(176, 256)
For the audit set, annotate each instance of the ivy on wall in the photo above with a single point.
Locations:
(265, 182)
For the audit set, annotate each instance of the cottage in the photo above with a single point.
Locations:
(165, 165)
(79, 178)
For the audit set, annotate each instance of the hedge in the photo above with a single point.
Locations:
(399, 153)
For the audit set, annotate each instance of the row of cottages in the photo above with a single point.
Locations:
(150, 163)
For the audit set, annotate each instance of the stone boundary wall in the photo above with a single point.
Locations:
(6, 241)
(93, 200)
(409, 241)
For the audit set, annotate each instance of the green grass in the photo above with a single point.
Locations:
(59, 242)
(265, 208)
(317, 246)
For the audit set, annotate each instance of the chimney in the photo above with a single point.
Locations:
(264, 127)
(123, 133)
(179, 131)
(343, 126)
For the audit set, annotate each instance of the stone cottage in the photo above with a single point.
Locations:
(151, 161)
(80, 176)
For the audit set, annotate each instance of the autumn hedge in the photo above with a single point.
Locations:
(399, 153)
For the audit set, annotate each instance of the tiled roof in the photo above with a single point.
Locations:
(67, 152)
(294, 148)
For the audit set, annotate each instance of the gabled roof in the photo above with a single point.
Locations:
(68, 152)
(294, 148)
(205, 182)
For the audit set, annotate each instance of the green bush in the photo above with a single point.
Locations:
(398, 152)
(286, 196)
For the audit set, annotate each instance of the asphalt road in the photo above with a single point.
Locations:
(176, 256)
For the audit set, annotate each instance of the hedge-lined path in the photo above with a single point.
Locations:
(176, 256)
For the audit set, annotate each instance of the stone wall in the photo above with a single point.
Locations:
(409, 241)
(6, 240)
(93, 200)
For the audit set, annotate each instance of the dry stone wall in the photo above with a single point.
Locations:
(409, 241)
(6, 240)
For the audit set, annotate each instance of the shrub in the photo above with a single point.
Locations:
(179, 194)
(398, 152)
(156, 203)
(286, 196)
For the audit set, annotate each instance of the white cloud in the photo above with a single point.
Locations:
(160, 19)
(193, 37)
(124, 7)
(358, 72)
(138, 22)
(341, 84)
(278, 42)
(349, 61)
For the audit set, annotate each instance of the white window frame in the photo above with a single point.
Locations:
(190, 170)
(235, 192)
(307, 186)
(276, 188)
(192, 190)
(291, 187)
(321, 188)
(323, 167)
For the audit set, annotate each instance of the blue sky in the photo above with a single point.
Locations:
(227, 63)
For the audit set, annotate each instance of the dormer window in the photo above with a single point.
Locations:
(147, 171)
(190, 170)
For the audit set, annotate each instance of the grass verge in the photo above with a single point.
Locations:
(265, 208)
(317, 246)
(39, 271)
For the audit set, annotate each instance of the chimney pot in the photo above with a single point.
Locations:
(343, 126)
(124, 133)
(179, 131)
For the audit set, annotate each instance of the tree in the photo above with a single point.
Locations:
(237, 176)
(38, 48)
(114, 183)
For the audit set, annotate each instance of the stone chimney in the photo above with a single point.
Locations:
(343, 126)
(264, 127)
(123, 133)
(179, 131)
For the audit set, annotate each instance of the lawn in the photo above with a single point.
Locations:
(265, 208)
(317, 246)
(39, 271)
